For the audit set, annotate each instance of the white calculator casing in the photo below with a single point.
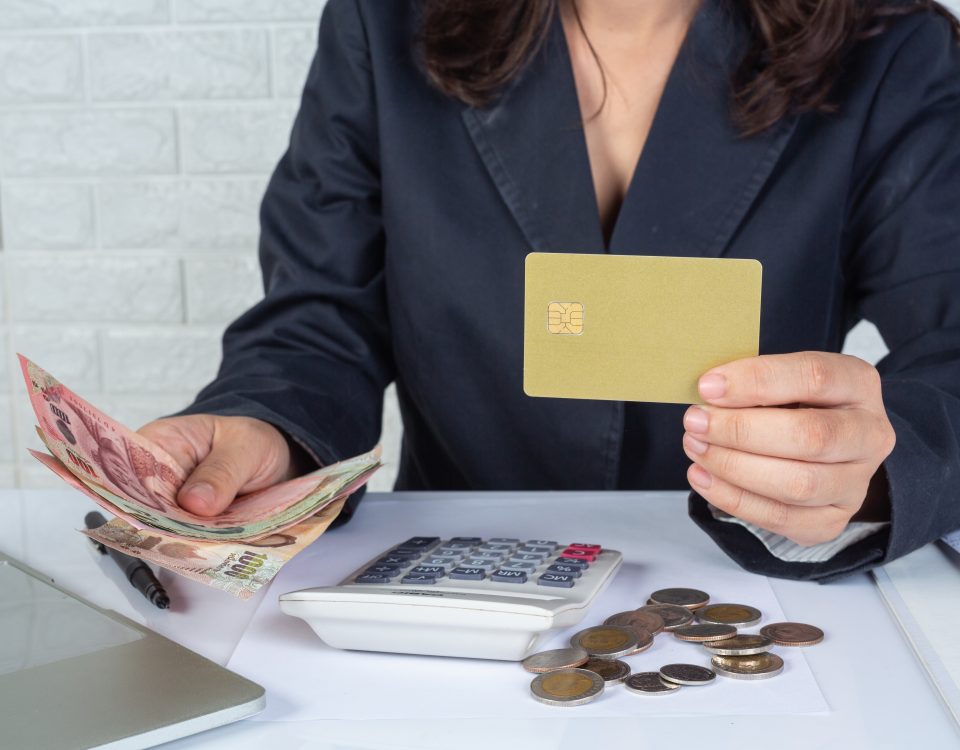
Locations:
(478, 619)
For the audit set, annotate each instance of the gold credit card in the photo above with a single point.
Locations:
(634, 327)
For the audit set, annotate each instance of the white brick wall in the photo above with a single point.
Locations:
(136, 137)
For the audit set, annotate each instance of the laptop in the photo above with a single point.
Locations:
(73, 675)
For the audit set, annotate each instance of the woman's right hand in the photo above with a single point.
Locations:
(223, 457)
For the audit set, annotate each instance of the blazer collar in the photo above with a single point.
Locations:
(695, 179)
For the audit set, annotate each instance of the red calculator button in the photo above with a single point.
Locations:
(595, 548)
(581, 554)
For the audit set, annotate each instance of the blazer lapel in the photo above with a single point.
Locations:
(697, 176)
(531, 141)
(694, 182)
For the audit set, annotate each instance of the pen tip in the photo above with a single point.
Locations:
(163, 602)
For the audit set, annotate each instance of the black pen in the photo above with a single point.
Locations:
(136, 571)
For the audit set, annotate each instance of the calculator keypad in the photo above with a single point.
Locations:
(426, 560)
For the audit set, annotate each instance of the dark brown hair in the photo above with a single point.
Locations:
(471, 49)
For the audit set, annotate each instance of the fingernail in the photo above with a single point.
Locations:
(694, 445)
(696, 420)
(713, 385)
(201, 493)
(700, 477)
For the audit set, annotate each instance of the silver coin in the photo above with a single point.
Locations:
(687, 674)
(673, 616)
(613, 671)
(649, 683)
(740, 645)
(558, 658)
(689, 598)
(757, 667)
(701, 633)
(567, 687)
(606, 641)
(740, 615)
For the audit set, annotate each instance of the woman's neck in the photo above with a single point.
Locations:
(632, 20)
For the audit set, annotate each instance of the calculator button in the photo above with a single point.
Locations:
(542, 543)
(509, 576)
(450, 552)
(468, 574)
(503, 540)
(467, 539)
(529, 556)
(581, 553)
(578, 561)
(520, 565)
(497, 548)
(418, 578)
(456, 544)
(538, 548)
(447, 562)
(383, 570)
(437, 571)
(398, 560)
(556, 579)
(595, 548)
(481, 562)
(421, 542)
(568, 570)
(371, 578)
(404, 553)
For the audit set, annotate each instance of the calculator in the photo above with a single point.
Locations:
(496, 598)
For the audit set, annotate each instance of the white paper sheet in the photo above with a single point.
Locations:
(306, 680)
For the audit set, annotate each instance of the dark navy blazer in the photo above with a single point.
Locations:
(395, 228)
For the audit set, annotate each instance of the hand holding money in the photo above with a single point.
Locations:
(222, 457)
(155, 487)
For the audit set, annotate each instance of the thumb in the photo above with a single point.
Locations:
(213, 485)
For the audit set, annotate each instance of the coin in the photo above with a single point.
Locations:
(687, 674)
(672, 615)
(740, 645)
(613, 671)
(558, 658)
(756, 667)
(792, 634)
(567, 687)
(701, 633)
(729, 614)
(638, 620)
(689, 598)
(644, 641)
(649, 683)
(606, 641)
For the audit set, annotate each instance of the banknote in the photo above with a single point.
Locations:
(239, 568)
(141, 480)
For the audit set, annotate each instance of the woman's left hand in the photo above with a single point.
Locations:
(800, 472)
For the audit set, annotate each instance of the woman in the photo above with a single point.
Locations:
(439, 142)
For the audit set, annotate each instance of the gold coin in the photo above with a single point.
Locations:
(689, 598)
(740, 615)
(567, 687)
(606, 641)
(701, 633)
(792, 634)
(756, 667)
(740, 645)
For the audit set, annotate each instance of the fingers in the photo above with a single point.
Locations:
(791, 482)
(803, 525)
(216, 481)
(815, 378)
(821, 435)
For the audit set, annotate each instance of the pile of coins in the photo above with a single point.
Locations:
(578, 674)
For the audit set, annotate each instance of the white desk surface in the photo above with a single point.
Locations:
(878, 693)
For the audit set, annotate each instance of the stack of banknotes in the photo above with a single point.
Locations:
(137, 481)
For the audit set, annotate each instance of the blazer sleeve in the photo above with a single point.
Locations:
(313, 357)
(903, 274)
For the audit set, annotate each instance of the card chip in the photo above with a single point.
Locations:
(565, 318)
